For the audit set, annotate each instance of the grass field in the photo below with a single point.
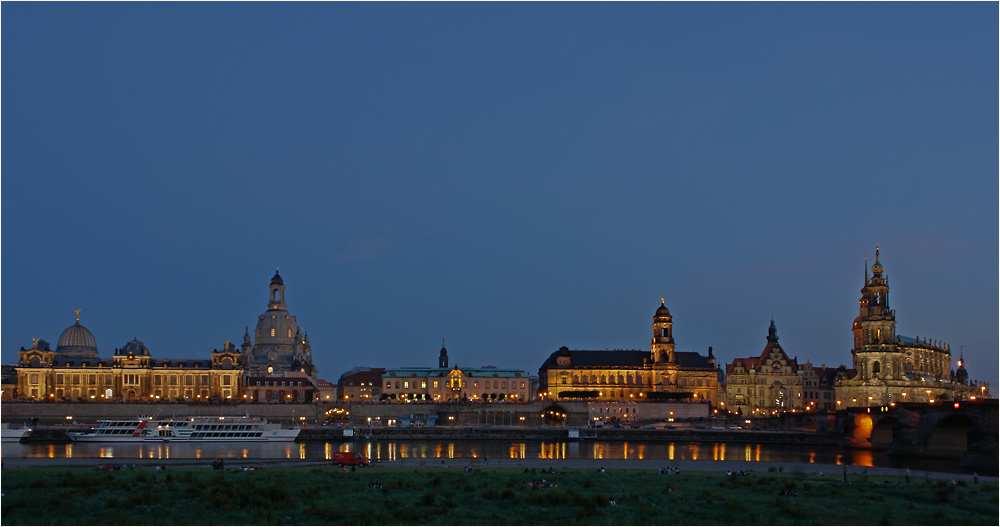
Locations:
(445, 496)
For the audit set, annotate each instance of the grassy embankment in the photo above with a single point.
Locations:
(326, 496)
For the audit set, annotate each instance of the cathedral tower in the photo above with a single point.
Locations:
(875, 351)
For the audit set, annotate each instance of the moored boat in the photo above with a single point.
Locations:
(13, 432)
(213, 429)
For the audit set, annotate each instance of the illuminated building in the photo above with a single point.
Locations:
(444, 384)
(774, 383)
(361, 384)
(74, 372)
(892, 368)
(484, 384)
(278, 362)
(279, 345)
(626, 375)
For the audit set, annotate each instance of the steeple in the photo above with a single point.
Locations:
(443, 357)
(866, 268)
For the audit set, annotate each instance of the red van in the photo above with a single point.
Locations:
(350, 458)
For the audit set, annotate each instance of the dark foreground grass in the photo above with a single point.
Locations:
(441, 496)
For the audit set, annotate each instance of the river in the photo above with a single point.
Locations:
(402, 450)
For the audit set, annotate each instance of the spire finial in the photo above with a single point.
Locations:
(663, 301)
(77, 311)
(442, 341)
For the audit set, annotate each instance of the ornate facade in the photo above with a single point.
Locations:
(892, 368)
(629, 375)
(774, 382)
(444, 384)
(74, 372)
(279, 345)
(484, 384)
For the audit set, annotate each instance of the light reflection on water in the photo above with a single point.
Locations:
(491, 449)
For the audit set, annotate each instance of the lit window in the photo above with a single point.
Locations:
(272, 332)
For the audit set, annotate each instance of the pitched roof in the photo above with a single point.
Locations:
(602, 358)
(625, 359)
(373, 375)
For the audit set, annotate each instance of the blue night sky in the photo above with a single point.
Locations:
(516, 177)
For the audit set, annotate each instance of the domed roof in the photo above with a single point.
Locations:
(662, 311)
(134, 347)
(78, 341)
(276, 327)
(877, 267)
(276, 280)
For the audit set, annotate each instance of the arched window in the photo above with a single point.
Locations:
(289, 332)
(272, 332)
(876, 368)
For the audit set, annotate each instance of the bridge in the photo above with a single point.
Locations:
(965, 430)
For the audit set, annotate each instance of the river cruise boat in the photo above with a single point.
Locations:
(12, 432)
(209, 429)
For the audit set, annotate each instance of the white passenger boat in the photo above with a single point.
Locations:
(12, 432)
(214, 429)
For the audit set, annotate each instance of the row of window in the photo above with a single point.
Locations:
(275, 383)
(486, 384)
(129, 379)
(173, 379)
(210, 435)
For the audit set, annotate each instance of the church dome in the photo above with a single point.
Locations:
(276, 327)
(136, 348)
(77, 340)
(276, 280)
(662, 311)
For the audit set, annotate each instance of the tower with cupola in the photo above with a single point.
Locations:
(875, 354)
(279, 344)
(662, 345)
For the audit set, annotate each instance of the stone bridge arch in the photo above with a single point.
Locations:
(951, 436)
(882, 432)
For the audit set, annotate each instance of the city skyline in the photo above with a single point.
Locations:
(514, 177)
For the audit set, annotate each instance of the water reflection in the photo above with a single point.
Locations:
(453, 449)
